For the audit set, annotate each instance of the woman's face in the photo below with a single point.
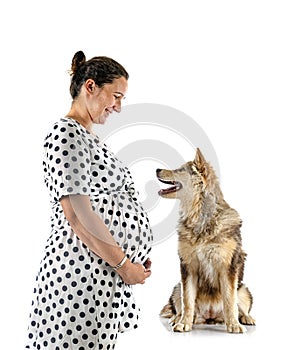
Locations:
(106, 100)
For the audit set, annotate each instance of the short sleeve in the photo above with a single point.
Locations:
(66, 161)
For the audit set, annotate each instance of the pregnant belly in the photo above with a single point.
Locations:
(128, 223)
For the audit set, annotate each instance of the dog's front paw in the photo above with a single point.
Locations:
(236, 328)
(182, 327)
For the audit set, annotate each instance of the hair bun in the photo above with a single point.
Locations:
(78, 60)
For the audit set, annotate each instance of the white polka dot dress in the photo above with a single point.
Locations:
(79, 301)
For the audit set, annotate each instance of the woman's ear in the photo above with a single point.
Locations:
(90, 86)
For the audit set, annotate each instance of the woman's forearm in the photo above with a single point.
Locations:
(90, 228)
(96, 236)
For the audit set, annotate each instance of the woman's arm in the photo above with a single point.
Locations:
(92, 231)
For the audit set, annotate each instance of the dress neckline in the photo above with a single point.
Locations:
(82, 127)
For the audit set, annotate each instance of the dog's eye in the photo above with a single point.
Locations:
(180, 170)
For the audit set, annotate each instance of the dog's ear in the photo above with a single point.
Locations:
(200, 161)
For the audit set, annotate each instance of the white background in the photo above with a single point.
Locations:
(226, 64)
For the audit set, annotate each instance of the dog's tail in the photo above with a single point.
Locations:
(167, 311)
(174, 303)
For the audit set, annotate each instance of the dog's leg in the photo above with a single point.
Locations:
(245, 301)
(188, 297)
(228, 285)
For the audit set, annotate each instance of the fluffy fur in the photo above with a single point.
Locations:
(210, 252)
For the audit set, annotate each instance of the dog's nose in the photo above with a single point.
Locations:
(158, 171)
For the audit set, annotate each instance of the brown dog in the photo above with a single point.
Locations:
(210, 251)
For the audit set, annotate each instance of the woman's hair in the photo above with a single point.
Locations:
(103, 70)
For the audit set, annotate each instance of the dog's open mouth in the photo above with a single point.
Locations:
(176, 187)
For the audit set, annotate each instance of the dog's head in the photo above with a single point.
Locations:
(192, 177)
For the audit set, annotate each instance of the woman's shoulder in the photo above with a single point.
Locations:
(65, 123)
(66, 126)
(66, 131)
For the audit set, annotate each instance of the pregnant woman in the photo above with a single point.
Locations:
(100, 234)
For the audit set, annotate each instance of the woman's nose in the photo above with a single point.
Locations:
(117, 106)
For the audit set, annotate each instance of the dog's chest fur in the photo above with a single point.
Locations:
(205, 252)
(205, 259)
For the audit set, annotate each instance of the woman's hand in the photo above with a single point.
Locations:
(133, 273)
(147, 264)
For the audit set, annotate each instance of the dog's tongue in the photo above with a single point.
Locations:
(174, 188)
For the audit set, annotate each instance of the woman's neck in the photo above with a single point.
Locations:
(79, 114)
